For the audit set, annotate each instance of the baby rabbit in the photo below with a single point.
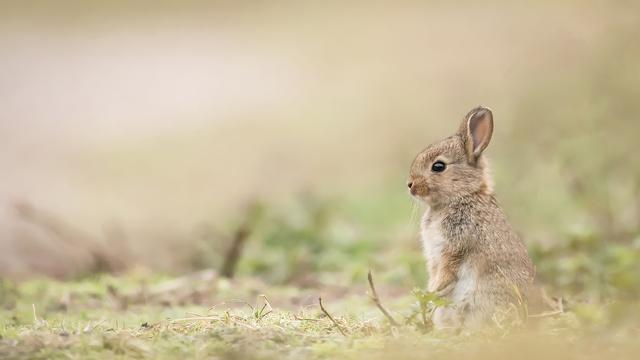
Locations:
(475, 259)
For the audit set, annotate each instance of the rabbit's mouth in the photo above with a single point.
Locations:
(418, 190)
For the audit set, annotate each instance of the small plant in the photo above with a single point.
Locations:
(428, 302)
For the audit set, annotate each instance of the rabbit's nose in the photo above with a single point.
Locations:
(410, 184)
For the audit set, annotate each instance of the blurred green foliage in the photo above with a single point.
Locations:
(591, 266)
(327, 240)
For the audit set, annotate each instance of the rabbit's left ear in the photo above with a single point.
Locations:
(476, 131)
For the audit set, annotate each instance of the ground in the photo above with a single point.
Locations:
(267, 305)
(140, 315)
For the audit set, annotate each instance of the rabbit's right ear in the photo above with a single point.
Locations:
(476, 131)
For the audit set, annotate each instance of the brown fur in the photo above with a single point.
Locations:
(465, 231)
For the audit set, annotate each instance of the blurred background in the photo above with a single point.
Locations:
(163, 135)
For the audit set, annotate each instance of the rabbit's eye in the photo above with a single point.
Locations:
(438, 166)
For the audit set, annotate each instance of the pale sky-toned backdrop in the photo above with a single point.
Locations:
(158, 118)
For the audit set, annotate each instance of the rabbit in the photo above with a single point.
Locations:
(474, 257)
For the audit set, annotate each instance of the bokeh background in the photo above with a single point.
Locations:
(153, 134)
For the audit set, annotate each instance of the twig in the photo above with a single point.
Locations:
(238, 301)
(87, 329)
(376, 300)
(194, 314)
(546, 314)
(331, 317)
(560, 304)
(304, 319)
(234, 252)
(233, 255)
(196, 318)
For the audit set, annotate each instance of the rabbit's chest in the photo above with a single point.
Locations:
(433, 240)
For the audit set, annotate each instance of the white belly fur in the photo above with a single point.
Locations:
(433, 244)
(432, 240)
(465, 286)
(462, 297)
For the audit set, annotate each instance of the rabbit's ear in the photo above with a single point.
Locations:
(476, 131)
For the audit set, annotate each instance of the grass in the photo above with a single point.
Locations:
(323, 247)
(139, 315)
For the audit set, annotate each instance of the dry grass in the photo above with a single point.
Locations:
(86, 320)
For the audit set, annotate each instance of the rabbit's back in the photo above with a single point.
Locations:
(495, 268)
